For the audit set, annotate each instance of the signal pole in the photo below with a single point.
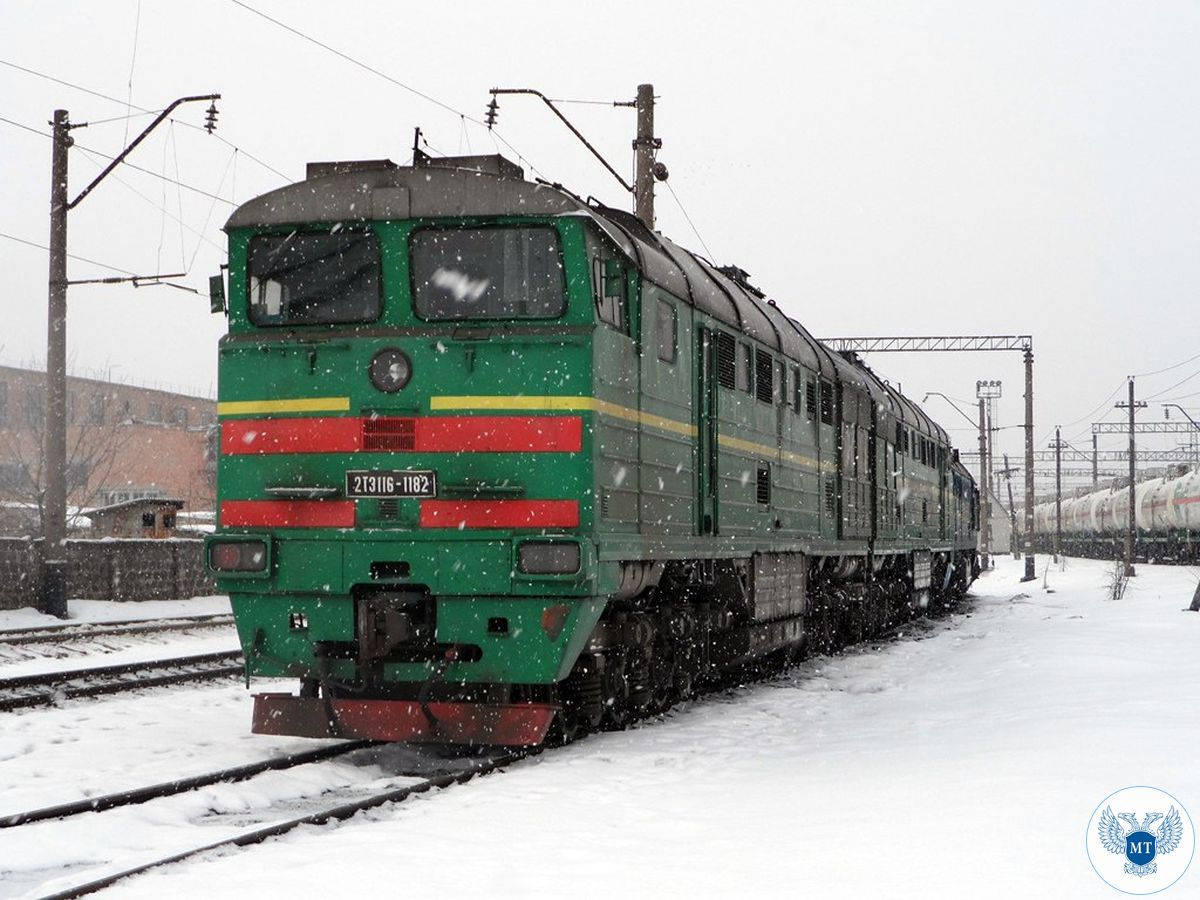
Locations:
(1131, 532)
(1013, 540)
(1058, 445)
(985, 506)
(1030, 567)
(987, 392)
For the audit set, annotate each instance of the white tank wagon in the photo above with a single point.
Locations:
(1076, 515)
(1167, 514)
(1184, 494)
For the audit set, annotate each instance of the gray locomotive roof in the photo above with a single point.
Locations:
(492, 186)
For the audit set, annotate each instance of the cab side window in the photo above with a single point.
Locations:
(608, 291)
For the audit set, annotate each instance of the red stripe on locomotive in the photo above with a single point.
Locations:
(287, 513)
(499, 514)
(442, 434)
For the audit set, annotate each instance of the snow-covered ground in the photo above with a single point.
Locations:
(961, 760)
(81, 611)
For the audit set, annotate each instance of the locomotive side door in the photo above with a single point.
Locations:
(706, 430)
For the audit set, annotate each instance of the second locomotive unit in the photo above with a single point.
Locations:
(497, 463)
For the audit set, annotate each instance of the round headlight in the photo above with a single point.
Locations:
(390, 370)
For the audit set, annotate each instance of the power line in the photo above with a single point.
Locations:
(127, 105)
(78, 87)
(1168, 368)
(689, 219)
(13, 237)
(388, 78)
(44, 134)
(588, 102)
(136, 115)
(350, 59)
(166, 178)
(1175, 385)
(158, 206)
(175, 181)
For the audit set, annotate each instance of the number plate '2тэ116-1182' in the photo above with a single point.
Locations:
(375, 483)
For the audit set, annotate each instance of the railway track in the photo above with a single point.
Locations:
(180, 785)
(330, 813)
(91, 630)
(42, 689)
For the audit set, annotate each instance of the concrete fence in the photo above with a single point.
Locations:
(107, 570)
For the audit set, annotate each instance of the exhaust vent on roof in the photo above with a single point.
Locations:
(492, 164)
(325, 169)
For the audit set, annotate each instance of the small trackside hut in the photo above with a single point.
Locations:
(497, 463)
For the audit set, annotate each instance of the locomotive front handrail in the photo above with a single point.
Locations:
(303, 492)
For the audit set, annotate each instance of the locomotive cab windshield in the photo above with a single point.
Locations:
(487, 273)
(313, 278)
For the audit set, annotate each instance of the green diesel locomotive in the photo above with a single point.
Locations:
(496, 462)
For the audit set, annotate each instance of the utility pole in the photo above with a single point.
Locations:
(1030, 568)
(1058, 445)
(1095, 463)
(1014, 545)
(644, 147)
(987, 392)
(985, 505)
(54, 449)
(53, 600)
(1131, 531)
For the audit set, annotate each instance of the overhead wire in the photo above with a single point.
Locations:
(1172, 387)
(171, 215)
(20, 240)
(1168, 368)
(230, 164)
(137, 22)
(696, 232)
(140, 109)
(386, 77)
(178, 189)
(44, 134)
(136, 168)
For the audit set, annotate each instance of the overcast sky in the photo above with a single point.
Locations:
(879, 168)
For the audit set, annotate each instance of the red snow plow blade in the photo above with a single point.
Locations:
(483, 724)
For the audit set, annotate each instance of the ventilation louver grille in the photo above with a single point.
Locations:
(726, 361)
(389, 434)
(763, 489)
(764, 380)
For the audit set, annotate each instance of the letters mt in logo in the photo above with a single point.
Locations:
(1140, 843)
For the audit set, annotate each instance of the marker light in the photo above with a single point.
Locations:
(548, 557)
(237, 556)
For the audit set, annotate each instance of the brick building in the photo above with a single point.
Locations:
(123, 442)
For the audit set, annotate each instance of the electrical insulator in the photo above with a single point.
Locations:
(493, 109)
(210, 118)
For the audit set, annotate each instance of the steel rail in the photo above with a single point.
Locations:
(61, 685)
(332, 814)
(81, 631)
(181, 785)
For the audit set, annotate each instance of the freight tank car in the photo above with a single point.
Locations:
(496, 461)
(1166, 516)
